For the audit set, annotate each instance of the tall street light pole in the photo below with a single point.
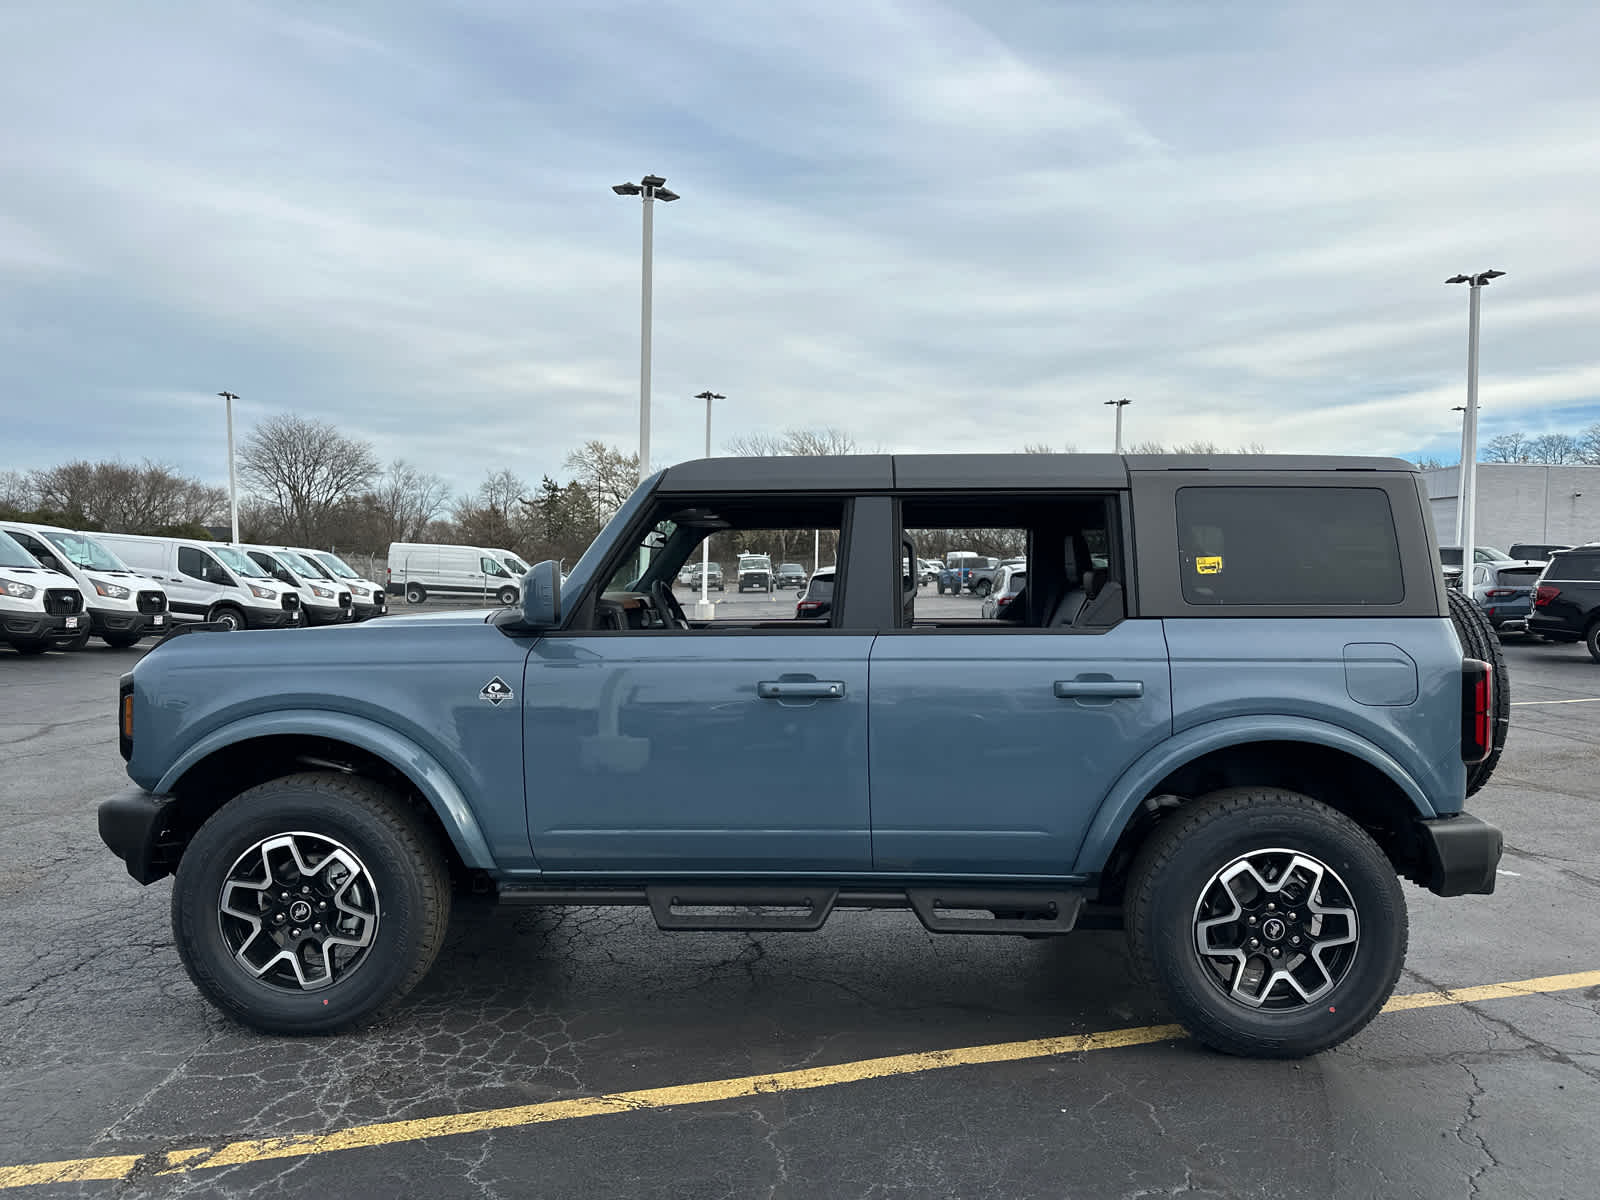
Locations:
(233, 490)
(1119, 405)
(1469, 435)
(1461, 470)
(705, 546)
(651, 188)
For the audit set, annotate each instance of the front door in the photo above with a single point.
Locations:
(698, 751)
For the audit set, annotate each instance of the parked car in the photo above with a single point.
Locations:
(367, 599)
(981, 580)
(1505, 593)
(1566, 598)
(817, 600)
(713, 577)
(209, 581)
(754, 573)
(322, 602)
(123, 606)
(928, 570)
(1535, 551)
(1237, 744)
(791, 575)
(418, 570)
(39, 607)
(1008, 583)
(1450, 561)
(956, 573)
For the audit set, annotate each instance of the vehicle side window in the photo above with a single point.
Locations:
(490, 567)
(1061, 549)
(38, 549)
(1576, 567)
(1288, 545)
(197, 564)
(1480, 575)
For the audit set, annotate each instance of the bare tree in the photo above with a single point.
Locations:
(305, 468)
(1047, 448)
(795, 441)
(120, 498)
(17, 491)
(1506, 448)
(1555, 449)
(404, 501)
(606, 473)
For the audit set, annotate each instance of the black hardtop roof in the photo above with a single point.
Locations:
(942, 472)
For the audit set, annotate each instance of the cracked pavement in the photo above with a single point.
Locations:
(106, 1048)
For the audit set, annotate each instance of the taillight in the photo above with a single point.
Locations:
(1501, 592)
(1477, 716)
(1543, 594)
(1002, 602)
(125, 716)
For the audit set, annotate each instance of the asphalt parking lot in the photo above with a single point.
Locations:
(585, 1053)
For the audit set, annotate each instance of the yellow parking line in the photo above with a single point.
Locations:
(389, 1133)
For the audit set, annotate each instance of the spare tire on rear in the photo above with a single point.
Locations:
(1478, 640)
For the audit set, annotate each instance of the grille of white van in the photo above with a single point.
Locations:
(152, 602)
(291, 602)
(63, 600)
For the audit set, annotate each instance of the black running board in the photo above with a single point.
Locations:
(754, 907)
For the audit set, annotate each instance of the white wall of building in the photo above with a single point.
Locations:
(1521, 502)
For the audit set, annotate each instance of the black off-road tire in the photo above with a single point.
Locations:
(1203, 837)
(1478, 641)
(408, 873)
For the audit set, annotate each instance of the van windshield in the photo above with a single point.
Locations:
(297, 564)
(240, 562)
(517, 566)
(85, 552)
(12, 554)
(336, 564)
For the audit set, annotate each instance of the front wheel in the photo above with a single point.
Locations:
(1592, 640)
(230, 618)
(121, 641)
(310, 903)
(76, 642)
(507, 596)
(1272, 925)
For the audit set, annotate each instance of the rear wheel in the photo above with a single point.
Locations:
(1272, 925)
(1591, 639)
(1478, 641)
(982, 587)
(310, 903)
(415, 593)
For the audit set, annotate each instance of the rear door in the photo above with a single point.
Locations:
(994, 742)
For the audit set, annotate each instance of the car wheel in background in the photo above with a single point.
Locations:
(29, 649)
(230, 618)
(415, 593)
(1591, 639)
(1272, 925)
(507, 596)
(982, 587)
(121, 641)
(310, 903)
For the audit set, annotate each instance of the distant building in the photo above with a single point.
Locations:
(1521, 502)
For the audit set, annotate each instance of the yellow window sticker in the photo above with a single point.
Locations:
(1208, 564)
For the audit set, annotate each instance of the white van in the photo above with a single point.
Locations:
(367, 598)
(321, 600)
(39, 608)
(418, 570)
(209, 581)
(123, 606)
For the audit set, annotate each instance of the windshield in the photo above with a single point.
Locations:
(1490, 554)
(240, 562)
(336, 564)
(85, 552)
(1449, 556)
(12, 554)
(296, 564)
(516, 564)
(754, 562)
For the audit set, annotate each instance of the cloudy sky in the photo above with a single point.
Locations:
(939, 226)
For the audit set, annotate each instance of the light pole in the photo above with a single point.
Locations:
(652, 188)
(1119, 405)
(233, 491)
(1461, 470)
(705, 546)
(1468, 529)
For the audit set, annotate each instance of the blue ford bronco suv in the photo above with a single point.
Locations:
(1232, 740)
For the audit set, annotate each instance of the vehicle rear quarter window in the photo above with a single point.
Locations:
(1576, 567)
(1288, 546)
